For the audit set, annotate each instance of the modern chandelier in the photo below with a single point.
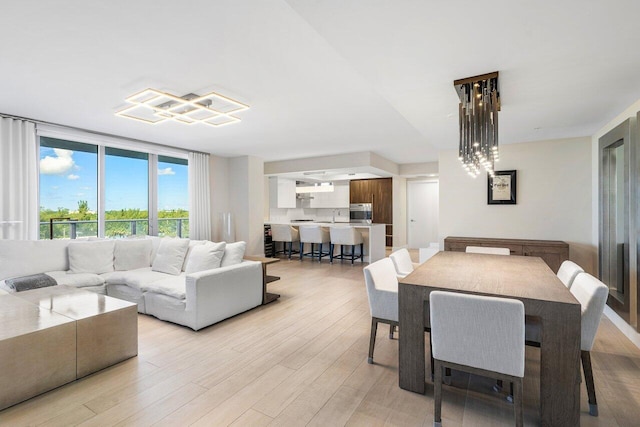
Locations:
(478, 112)
(153, 106)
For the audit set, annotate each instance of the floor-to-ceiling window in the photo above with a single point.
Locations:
(92, 190)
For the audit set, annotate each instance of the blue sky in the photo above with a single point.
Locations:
(69, 176)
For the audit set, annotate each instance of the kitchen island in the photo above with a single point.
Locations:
(372, 234)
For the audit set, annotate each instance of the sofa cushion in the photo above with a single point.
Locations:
(205, 257)
(233, 253)
(130, 254)
(91, 257)
(192, 244)
(170, 256)
(174, 286)
(137, 279)
(155, 243)
(79, 280)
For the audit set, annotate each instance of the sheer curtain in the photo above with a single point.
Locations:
(19, 209)
(199, 197)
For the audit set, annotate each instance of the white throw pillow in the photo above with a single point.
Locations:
(192, 243)
(132, 254)
(170, 256)
(91, 257)
(233, 253)
(205, 257)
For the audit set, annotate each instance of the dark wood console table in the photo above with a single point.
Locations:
(267, 297)
(553, 252)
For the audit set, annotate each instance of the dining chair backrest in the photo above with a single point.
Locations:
(592, 295)
(487, 250)
(568, 271)
(283, 233)
(478, 331)
(382, 289)
(402, 262)
(426, 254)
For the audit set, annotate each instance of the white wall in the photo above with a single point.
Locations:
(399, 186)
(219, 176)
(246, 188)
(554, 198)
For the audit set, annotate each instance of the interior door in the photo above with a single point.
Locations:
(422, 212)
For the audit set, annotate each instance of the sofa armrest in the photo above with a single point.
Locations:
(225, 290)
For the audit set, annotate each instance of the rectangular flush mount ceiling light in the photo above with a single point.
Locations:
(153, 106)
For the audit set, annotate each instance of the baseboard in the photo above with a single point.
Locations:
(624, 327)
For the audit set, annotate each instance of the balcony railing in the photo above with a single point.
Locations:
(114, 228)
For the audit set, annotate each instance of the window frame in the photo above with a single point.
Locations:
(105, 141)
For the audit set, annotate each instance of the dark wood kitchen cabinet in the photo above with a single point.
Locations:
(378, 192)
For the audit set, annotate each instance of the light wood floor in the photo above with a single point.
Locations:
(302, 361)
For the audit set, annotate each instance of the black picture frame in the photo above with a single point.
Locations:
(501, 190)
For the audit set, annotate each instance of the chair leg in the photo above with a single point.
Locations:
(431, 355)
(331, 246)
(290, 246)
(361, 253)
(353, 253)
(301, 250)
(517, 402)
(437, 395)
(372, 339)
(392, 329)
(341, 253)
(588, 379)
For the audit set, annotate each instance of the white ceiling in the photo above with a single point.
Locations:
(322, 77)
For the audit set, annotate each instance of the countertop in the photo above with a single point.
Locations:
(327, 224)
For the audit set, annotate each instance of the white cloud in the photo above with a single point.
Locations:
(58, 165)
(85, 188)
(166, 171)
(73, 177)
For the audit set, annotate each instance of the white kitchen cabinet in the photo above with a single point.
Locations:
(282, 192)
(338, 198)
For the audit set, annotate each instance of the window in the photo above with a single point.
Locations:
(137, 200)
(68, 189)
(173, 197)
(126, 191)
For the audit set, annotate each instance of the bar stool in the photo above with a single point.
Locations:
(285, 234)
(313, 234)
(348, 236)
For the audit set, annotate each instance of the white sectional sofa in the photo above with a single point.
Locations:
(191, 283)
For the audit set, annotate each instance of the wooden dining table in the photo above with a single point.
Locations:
(527, 279)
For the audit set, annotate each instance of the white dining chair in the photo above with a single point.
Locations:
(480, 335)
(487, 250)
(402, 262)
(592, 295)
(425, 254)
(381, 282)
(568, 271)
(382, 291)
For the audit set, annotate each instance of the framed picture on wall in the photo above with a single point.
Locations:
(501, 189)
